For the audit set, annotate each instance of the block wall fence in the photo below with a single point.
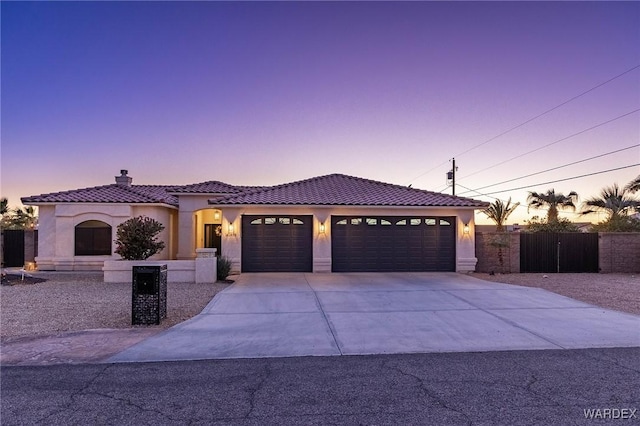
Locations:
(619, 252)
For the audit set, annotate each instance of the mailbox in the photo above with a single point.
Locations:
(149, 294)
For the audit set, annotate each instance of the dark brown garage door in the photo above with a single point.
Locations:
(393, 243)
(277, 243)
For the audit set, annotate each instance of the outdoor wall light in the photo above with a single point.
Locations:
(322, 228)
(465, 229)
(231, 231)
(216, 215)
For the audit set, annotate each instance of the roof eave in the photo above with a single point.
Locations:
(115, 203)
(375, 206)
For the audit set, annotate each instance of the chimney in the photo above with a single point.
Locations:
(123, 179)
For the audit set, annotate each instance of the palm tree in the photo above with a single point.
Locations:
(634, 185)
(617, 203)
(4, 205)
(25, 218)
(553, 201)
(498, 212)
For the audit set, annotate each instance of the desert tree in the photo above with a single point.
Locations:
(553, 201)
(499, 211)
(137, 238)
(634, 185)
(617, 203)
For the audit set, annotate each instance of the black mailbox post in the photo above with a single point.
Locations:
(149, 295)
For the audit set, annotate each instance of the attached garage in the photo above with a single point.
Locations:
(277, 243)
(393, 243)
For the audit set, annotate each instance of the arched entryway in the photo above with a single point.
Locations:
(209, 229)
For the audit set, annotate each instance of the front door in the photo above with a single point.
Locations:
(213, 237)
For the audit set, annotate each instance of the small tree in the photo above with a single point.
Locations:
(498, 212)
(137, 238)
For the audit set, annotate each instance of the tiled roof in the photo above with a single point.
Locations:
(109, 194)
(212, 187)
(337, 189)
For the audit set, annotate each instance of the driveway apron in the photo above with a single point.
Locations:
(296, 314)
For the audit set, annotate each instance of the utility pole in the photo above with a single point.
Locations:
(454, 177)
(451, 175)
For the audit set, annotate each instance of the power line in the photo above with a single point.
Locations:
(531, 119)
(549, 110)
(428, 171)
(552, 143)
(553, 168)
(565, 179)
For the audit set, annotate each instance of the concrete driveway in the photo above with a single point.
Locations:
(281, 315)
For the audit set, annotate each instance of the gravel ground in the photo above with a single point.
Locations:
(82, 301)
(620, 292)
(76, 301)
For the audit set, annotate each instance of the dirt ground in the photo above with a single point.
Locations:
(620, 292)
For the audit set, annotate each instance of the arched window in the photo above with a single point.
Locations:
(93, 238)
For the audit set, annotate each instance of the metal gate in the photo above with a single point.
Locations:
(13, 247)
(558, 252)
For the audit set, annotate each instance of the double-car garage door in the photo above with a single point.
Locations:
(282, 243)
(392, 243)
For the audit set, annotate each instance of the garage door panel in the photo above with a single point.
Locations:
(277, 243)
(393, 243)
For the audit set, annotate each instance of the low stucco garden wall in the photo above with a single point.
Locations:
(201, 270)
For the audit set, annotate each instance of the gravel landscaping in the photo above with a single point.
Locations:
(75, 301)
(620, 292)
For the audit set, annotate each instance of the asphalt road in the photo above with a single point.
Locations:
(552, 387)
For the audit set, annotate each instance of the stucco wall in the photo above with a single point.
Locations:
(232, 244)
(56, 232)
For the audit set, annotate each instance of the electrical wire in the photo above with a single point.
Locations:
(552, 143)
(565, 179)
(553, 168)
(529, 120)
(549, 110)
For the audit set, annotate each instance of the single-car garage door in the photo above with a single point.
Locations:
(393, 243)
(277, 243)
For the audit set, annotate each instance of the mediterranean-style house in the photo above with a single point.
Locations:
(328, 223)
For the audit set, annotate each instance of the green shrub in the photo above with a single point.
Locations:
(224, 268)
(137, 238)
(618, 224)
(561, 225)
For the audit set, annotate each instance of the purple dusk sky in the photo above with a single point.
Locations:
(262, 93)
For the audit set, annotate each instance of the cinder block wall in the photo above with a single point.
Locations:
(30, 246)
(619, 252)
(488, 245)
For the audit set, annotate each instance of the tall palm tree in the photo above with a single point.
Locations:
(553, 201)
(616, 202)
(25, 218)
(634, 185)
(4, 205)
(498, 212)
